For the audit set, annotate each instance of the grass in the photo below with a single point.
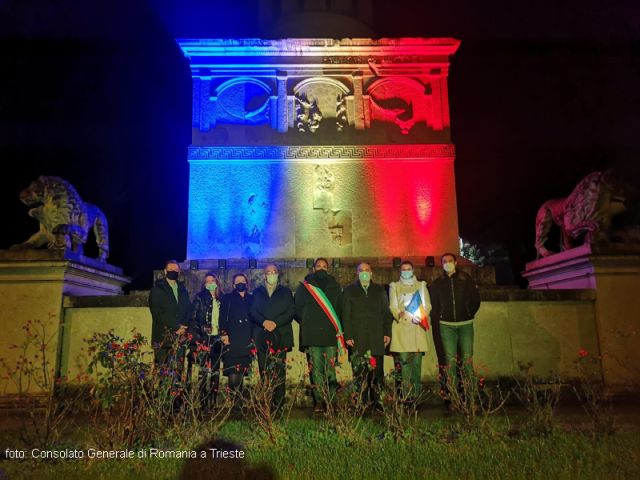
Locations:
(309, 449)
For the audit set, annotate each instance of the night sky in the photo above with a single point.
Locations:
(541, 94)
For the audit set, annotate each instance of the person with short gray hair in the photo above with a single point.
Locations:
(367, 331)
(272, 312)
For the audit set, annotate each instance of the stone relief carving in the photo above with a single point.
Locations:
(587, 212)
(65, 219)
(323, 97)
(322, 195)
(242, 100)
(305, 152)
(255, 211)
(308, 114)
(338, 221)
(398, 100)
(341, 112)
(339, 224)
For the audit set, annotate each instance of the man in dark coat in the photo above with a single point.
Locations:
(367, 324)
(170, 306)
(272, 312)
(455, 300)
(317, 333)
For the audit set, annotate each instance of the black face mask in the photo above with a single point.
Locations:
(172, 275)
(322, 274)
(241, 287)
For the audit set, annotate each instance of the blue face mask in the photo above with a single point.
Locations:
(406, 274)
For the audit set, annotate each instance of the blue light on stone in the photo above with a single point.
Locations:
(230, 205)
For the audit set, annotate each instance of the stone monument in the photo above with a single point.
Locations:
(606, 262)
(308, 147)
(37, 274)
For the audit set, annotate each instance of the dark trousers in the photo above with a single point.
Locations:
(209, 376)
(367, 379)
(274, 366)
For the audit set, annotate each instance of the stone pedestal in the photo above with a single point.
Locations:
(614, 272)
(572, 269)
(32, 286)
(343, 201)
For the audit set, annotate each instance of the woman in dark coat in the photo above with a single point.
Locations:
(206, 346)
(237, 333)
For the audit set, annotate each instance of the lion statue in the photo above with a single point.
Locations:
(65, 220)
(587, 212)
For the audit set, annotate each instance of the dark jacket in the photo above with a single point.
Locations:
(201, 316)
(455, 298)
(278, 308)
(316, 329)
(166, 312)
(366, 317)
(234, 322)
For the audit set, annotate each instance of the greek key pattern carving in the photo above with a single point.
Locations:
(338, 152)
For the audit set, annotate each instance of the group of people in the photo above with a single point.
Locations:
(360, 322)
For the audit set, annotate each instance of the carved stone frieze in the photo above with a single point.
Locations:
(337, 152)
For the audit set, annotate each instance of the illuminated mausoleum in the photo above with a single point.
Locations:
(308, 147)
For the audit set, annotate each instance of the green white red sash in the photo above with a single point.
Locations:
(321, 298)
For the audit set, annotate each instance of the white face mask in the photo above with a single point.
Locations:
(449, 267)
(272, 279)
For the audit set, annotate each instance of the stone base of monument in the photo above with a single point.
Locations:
(33, 284)
(293, 271)
(613, 271)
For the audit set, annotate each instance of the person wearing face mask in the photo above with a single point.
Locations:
(367, 330)
(236, 334)
(318, 303)
(206, 343)
(272, 312)
(455, 299)
(410, 305)
(170, 306)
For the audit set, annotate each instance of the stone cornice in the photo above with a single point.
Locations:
(301, 47)
(417, 152)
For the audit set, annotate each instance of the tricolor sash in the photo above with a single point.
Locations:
(321, 299)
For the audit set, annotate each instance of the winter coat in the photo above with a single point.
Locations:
(202, 315)
(166, 312)
(316, 330)
(455, 298)
(407, 336)
(278, 308)
(234, 322)
(366, 317)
